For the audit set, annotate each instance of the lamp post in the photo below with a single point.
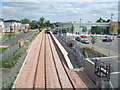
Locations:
(111, 30)
(80, 24)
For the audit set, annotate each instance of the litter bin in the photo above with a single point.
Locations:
(70, 44)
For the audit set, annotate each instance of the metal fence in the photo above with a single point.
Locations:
(10, 52)
(78, 50)
(89, 65)
(5, 55)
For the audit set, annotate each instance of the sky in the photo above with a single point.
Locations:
(59, 11)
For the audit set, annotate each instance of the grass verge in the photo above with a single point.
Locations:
(2, 50)
(8, 63)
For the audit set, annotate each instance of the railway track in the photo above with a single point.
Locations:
(45, 68)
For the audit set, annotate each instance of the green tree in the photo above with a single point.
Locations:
(108, 20)
(93, 40)
(72, 29)
(34, 24)
(118, 30)
(25, 20)
(112, 28)
(101, 20)
(47, 23)
(58, 24)
(10, 35)
(84, 30)
(98, 30)
(41, 21)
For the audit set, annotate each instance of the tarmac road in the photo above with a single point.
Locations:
(15, 38)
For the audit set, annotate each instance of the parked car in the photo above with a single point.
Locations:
(78, 39)
(25, 31)
(118, 36)
(85, 41)
(83, 36)
(107, 39)
(47, 31)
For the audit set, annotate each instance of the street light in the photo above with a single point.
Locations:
(80, 24)
(111, 30)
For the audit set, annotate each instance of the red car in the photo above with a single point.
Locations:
(83, 36)
(110, 39)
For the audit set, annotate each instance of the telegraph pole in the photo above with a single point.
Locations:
(80, 25)
(111, 30)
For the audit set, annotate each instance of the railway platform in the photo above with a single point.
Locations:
(48, 67)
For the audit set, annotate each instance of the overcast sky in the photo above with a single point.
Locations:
(62, 11)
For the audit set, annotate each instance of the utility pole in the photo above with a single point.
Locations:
(80, 25)
(111, 30)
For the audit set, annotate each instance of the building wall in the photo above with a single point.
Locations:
(89, 25)
(25, 26)
(114, 28)
(1, 28)
(9, 27)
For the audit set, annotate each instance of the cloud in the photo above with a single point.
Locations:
(63, 11)
(60, 1)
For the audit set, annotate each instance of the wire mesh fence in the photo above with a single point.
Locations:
(78, 50)
(5, 55)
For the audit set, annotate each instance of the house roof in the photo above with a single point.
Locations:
(1, 19)
(11, 21)
(25, 23)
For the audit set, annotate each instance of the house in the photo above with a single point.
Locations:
(11, 26)
(25, 26)
(1, 26)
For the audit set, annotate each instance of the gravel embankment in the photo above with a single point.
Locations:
(9, 75)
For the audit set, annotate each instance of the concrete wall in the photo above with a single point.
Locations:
(89, 69)
(100, 81)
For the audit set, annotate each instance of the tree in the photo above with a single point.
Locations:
(93, 40)
(47, 23)
(72, 28)
(108, 20)
(10, 35)
(118, 30)
(41, 20)
(84, 30)
(58, 24)
(25, 20)
(98, 30)
(34, 24)
(101, 20)
(112, 28)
